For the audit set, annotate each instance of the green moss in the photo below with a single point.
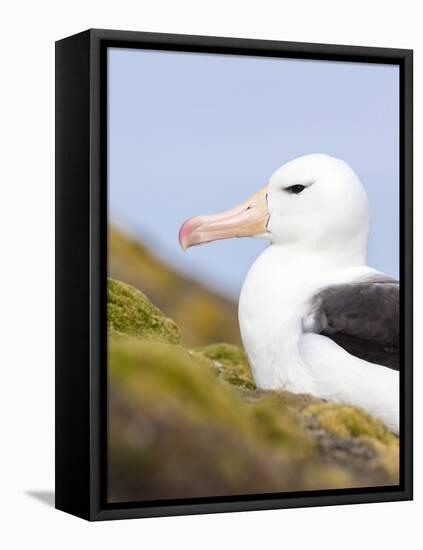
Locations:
(153, 370)
(227, 354)
(176, 430)
(280, 427)
(130, 312)
(346, 421)
(231, 363)
(158, 370)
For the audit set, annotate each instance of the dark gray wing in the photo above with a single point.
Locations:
(361, 317)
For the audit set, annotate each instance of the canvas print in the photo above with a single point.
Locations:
(253, 275)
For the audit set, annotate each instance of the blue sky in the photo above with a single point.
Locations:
(192, 133)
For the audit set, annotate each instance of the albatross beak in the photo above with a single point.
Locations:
(248, 219)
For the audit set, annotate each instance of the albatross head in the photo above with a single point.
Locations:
(315, 202)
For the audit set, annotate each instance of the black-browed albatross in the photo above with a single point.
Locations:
(314, 318)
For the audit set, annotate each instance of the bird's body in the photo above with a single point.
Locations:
(284, 347)
(314, 318)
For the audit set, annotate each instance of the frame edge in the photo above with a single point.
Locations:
(72, 175)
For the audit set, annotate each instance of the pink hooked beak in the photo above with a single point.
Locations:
(248, 219)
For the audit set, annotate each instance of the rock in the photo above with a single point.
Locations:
(372, 450)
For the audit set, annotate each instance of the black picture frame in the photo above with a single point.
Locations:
(81, 271)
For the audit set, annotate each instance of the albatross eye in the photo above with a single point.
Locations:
(295, 189)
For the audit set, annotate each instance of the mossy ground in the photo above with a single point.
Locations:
(231, 363)
(191, 423)
(372, 438)
(347, 421)
(130, 312)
